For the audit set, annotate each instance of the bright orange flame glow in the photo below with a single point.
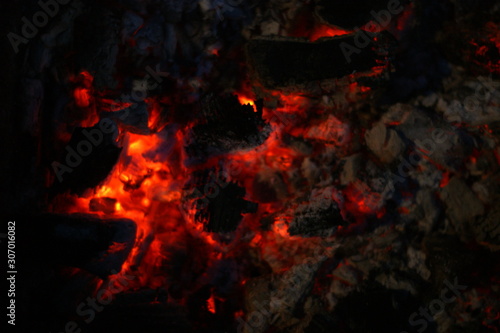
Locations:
(327, 31)
(211, 304)
(82, 97)
(148, 186)
(245, 100)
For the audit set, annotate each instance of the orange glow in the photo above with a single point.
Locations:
(318, 31)
(141, 185)
(82, 97)
(292, 102)
(445, 179)
(82, 94)
(245, 100)
(327, 31)
(330, 130)
(280, 228)
(211, 304)
(404, 18)
(150, 187)
(155, 123)
(362, 200)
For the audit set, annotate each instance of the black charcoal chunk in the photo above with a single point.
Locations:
(133, 119)
(98, 245)
(219, 203)
(313, 219)
(225, 125)
(282, 62)
(85, 162)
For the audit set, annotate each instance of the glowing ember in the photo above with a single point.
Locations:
(321, 31)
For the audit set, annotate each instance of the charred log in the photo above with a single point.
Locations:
(282, 62)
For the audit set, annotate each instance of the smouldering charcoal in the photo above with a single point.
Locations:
(223, 213)
(315, 221)
(225, 125)
(362, 175)
(279, 62)
(367, 186)
(472, 43)
(219, 204)
(319, 215)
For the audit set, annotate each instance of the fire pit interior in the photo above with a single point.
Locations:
(253, 166)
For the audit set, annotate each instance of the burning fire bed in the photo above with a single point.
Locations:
(248, 166)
